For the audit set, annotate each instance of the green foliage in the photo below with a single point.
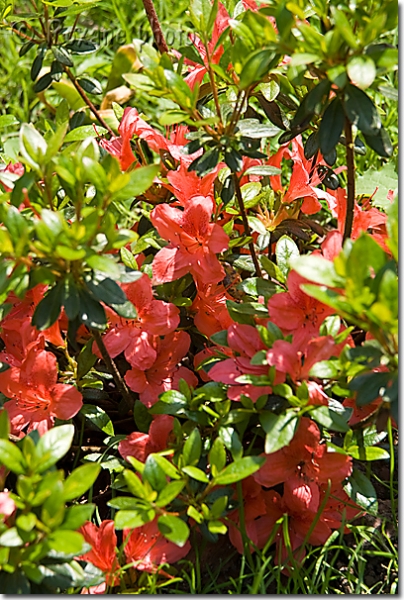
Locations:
(37, 552)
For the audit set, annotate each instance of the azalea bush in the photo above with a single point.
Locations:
(199, 287)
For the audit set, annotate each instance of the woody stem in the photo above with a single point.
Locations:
(246, 225)
(350, 161)
(113, 369)
(87, 100)
(155, 26)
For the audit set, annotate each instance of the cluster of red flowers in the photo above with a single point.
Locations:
(306, 474)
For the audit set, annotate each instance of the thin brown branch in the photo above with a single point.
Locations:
(350, 161)
(246, 225)
(113, 369)
(155, 26)
(87, 100)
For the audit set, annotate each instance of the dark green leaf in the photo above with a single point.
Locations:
(81, 46)
(62, 56)
(329, 418)
(43, 83)
(91, 312)
(380, 143)
(362, 492)
(48, 310)
(90, 85)
(279, 429)
(361, 111)
(331, 126)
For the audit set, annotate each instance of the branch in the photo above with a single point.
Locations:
(87, 100)
(246, 225)
(113, 369)
(350, 161)
(155, 26)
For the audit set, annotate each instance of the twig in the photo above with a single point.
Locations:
(155, 26)
(113, 369)
(350, 161)
(246, 225)
(87, 100)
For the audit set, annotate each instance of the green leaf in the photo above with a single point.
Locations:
(318, 269)
(217, 456)
(77, 515)
(4, 424)
(81, 46)
(8, 121)
(174, 529)
(48, 310)
(264, 171)
(344, 28)
(104, 264)
(32, 146)
(361, 71)
(90, 85)
(82, 133)
(368, 453)
(279, 429)
(139, 182)
(14, 583)
(324, 369)
(361, 111)
(380, 143)
(362, 492)
(53, 445)
(369, 386)
(254, 129)
(98, 417)
(67, 542)
(286, 253)
(86, 359)
(80, 480)
(62, 56)
(11, 457)
(256, 66)
(154, 474)
(11, 538)
(329, 418)
(134, 484)
(331, 126)
(91, 313)
(169, 469)
(239, 469)
(133, 518)
(378, 184)
(169, 493)
(192, 448)
(196, 473)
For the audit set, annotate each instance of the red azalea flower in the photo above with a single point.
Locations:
(35, 396)
(165, 373)
(140, 445)
(194, 242)
(244, 341)
(146, 548)
(296, 312)
(102, 555)
(211, 311)
(366, 218)
(288, 359)
(135, 337)
(304, 458)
